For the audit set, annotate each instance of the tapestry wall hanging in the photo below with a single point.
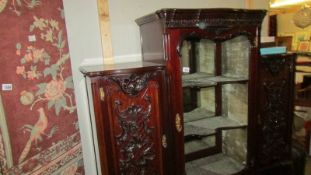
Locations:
(39, 131)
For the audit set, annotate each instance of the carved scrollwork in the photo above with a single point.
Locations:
(132, 84)
(275, 66)
(136, 142)
(208, 17)
(275, 125)
(211, 22)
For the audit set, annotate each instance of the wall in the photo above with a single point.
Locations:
(39, 132)
(85, 46)
(286, 27)
(125, 33)
(262, 4)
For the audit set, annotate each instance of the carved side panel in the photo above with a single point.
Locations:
(274, 67)
(135, 123)
(275, 118)
(275, 123)
(136, 144)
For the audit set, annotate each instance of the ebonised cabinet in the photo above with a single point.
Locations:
(130, 113)
(275, 114)
(221, 89)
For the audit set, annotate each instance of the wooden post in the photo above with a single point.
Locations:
(249, 4)
(104, 22)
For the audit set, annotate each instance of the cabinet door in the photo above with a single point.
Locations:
(274, 121)
(136, 136)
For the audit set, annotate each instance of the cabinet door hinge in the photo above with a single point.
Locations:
(102, 94)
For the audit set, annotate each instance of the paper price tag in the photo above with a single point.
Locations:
(7, 87)
(32, 38)
(186, 69)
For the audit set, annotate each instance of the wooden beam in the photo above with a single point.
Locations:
(249, 4)
(104, 22)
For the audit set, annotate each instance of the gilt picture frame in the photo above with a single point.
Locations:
(303, 46)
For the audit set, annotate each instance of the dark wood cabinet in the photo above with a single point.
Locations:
(210, 54)
(275, 114)
(131, 118)
(227, 96)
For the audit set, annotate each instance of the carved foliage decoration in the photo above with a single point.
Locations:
(274, 122)
(184, 18)
(135, 142)
(211, 22)
(275, 66)
(132, 84)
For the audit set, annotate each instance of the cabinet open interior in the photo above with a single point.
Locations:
(215, 100)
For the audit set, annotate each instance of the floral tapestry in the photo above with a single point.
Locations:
(39, 131)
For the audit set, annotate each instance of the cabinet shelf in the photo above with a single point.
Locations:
(303, 63)
(209, 125)
(197, 114)
(207, 80)
(216, 164)
(303, 102)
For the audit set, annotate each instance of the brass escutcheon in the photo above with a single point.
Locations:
(102, 94)
(178, 123)
(164, 141)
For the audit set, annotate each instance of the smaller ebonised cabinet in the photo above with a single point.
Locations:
(275, 115)
(130, 105)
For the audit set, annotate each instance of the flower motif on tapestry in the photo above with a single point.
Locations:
(35, 64)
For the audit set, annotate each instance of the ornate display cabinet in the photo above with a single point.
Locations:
(274, 125)
(221, 90)
(129, 104)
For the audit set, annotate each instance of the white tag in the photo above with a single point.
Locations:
(186, 69)
(7, 87)
(32, 38)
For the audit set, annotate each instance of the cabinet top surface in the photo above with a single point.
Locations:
(106, 69)
(207, 15)
(208, 10)
(275, 56)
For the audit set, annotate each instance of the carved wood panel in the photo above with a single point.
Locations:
(274, 123)
(134, 116)
(135, 141)
(275, 111)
